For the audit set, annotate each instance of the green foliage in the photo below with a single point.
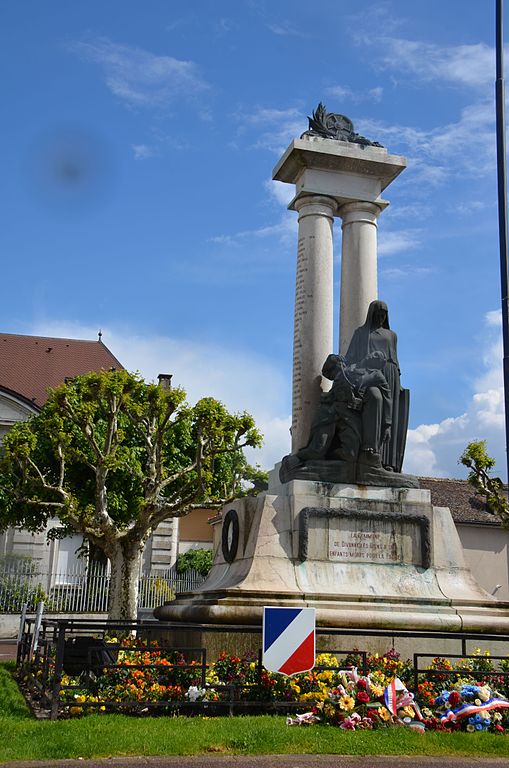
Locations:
(199, 560)
(112, 456)
(476, 458)
(116, 423)
(258, 479)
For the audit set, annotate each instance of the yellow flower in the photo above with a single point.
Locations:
(326, 676)
(376, 690)
(383, 713)
(406, 712)
(484, 693)
(347, 703)
(311, 696)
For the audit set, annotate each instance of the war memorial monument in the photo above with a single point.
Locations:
(340, 528)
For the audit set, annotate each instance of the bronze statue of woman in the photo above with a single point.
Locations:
(376, 336)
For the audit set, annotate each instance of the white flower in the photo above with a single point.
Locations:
(194, 693)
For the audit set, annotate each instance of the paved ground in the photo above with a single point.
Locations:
(270, 761)
(7, 650)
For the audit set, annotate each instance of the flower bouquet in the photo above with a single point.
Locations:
(470, 707)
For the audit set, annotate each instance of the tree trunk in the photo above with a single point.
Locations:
(125, 572)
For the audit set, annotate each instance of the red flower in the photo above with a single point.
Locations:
(362, 684)
(362, 697)
(454, 698)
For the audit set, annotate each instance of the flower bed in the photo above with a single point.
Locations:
(470, 694)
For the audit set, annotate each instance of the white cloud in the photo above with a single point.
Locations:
(400, 241)
(241, 379)
(466, 146)
(278, 126)
(285, 28)
(285, 231)
(494, 318)
(434, 449)
(467, 65)
(281, 192)
(270, 116)
(142, 151)
(406, 271)
(467, 207)
(139, 77)
(348, 94)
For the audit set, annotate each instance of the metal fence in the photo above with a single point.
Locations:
(83, 589)
(59, 659)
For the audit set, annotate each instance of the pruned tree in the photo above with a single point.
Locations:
(476, 458)
(111, 457)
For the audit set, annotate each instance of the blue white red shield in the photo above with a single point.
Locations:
(288, 640)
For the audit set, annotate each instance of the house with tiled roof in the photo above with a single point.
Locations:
(29, 366)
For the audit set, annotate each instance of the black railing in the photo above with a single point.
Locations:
(42, 661)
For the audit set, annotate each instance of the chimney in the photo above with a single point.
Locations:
(165, 380)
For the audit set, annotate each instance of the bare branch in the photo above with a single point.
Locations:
(36, 503)
(177, 475)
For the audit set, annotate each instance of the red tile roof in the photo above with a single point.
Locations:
(465, 504)
(31, 364)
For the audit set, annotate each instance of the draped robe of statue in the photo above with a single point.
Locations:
(372, 337)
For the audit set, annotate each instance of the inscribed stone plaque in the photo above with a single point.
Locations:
(358, 540)
(357, 536)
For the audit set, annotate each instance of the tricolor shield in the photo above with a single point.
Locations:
(288, 640)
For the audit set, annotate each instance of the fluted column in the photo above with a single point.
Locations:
(358, 266)
(313, 318)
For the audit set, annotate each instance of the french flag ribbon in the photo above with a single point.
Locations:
(390, 697)
(466, 710)
(396, 696)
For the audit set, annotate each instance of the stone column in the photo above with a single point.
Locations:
(313, 319)
(358, 266)
(331, 176)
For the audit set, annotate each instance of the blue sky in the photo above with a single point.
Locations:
(138, 145)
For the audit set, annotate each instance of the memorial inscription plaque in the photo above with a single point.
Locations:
(357, 536)
(368, 546)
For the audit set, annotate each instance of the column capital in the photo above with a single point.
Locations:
(316, 205)
(360, 211)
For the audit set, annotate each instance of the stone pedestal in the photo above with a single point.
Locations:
(332, 178)
(364, 557)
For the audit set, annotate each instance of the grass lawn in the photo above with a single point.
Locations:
(111, 735)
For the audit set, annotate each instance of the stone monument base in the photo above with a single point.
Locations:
(363, 556)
